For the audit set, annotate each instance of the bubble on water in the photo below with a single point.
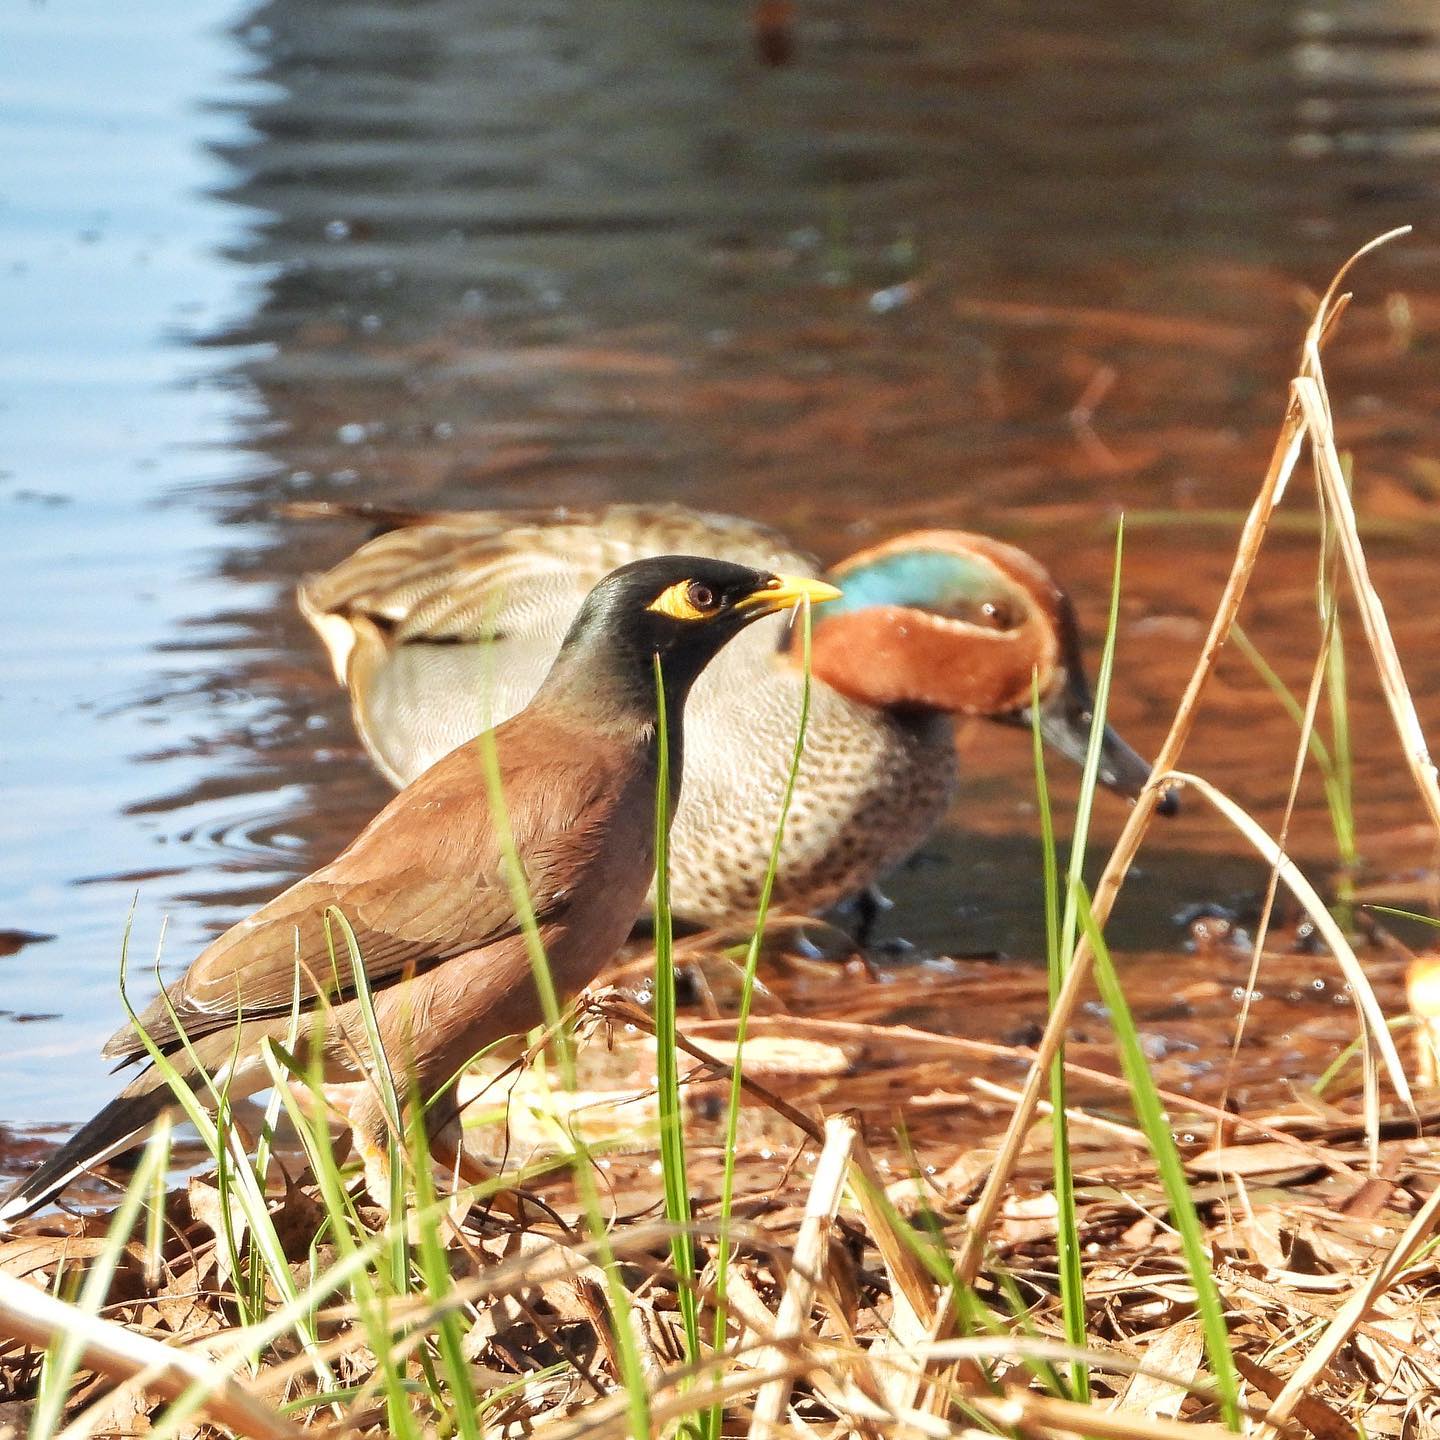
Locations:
(337, 229)
(353, 433)
(893, 297)
(1313, 59)
(1317, 983)
(1313, 22)
(370, 323)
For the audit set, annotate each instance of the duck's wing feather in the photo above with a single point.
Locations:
(458, 577)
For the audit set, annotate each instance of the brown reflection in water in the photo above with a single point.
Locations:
(954, 265)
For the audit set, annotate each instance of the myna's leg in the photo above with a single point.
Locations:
(360, 1108)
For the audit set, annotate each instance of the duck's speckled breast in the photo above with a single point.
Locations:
(871, 786)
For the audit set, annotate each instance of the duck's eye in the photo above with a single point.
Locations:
(702, 597)
(997, 615)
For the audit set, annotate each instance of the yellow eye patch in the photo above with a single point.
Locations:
(689, 600)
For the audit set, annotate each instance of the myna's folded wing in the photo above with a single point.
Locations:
(424, 882)
(251, 972)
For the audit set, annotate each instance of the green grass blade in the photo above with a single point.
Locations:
(460, 1401)
(1150, 1112)
(926, 1241)
(222, 1143)
(1067, 1240)
(359, 1256)
(1281, 692)
(1071, 1273)
(64, 1355)
(382, 1076)
(1337, 697)
(747, 987)
(667, 1077)
(1090, 771)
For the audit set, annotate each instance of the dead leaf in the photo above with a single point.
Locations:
(1271, 1158)
(1176, 1353)
(1312, 1412)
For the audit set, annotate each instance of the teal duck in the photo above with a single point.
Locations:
(446, 622)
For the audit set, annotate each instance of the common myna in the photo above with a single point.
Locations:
(935, 624)
(425, 885)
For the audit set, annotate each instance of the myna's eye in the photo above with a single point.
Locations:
(689, 600)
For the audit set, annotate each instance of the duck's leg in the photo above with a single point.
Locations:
(867, 907)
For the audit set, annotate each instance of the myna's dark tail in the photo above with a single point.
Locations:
(117, 1127)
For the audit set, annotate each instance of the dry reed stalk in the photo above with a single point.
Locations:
(1032, 1413)
(1272, 884)
(987, 1207)
(38, 1319)
(1282, 464)
(811, 1249)
(917, 1315)
(1126, 1134)
(1372, 1017)
(1309, 391)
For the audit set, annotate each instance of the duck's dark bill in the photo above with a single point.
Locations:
(1065, 724)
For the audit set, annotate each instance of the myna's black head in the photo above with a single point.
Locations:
(682, 608)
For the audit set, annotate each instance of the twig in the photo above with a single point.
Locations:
(32, 1316)
(1372, 1017)
(811, 1248)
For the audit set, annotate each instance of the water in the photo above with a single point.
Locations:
(949, 266)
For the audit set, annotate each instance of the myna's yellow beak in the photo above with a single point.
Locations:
(787, 590)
